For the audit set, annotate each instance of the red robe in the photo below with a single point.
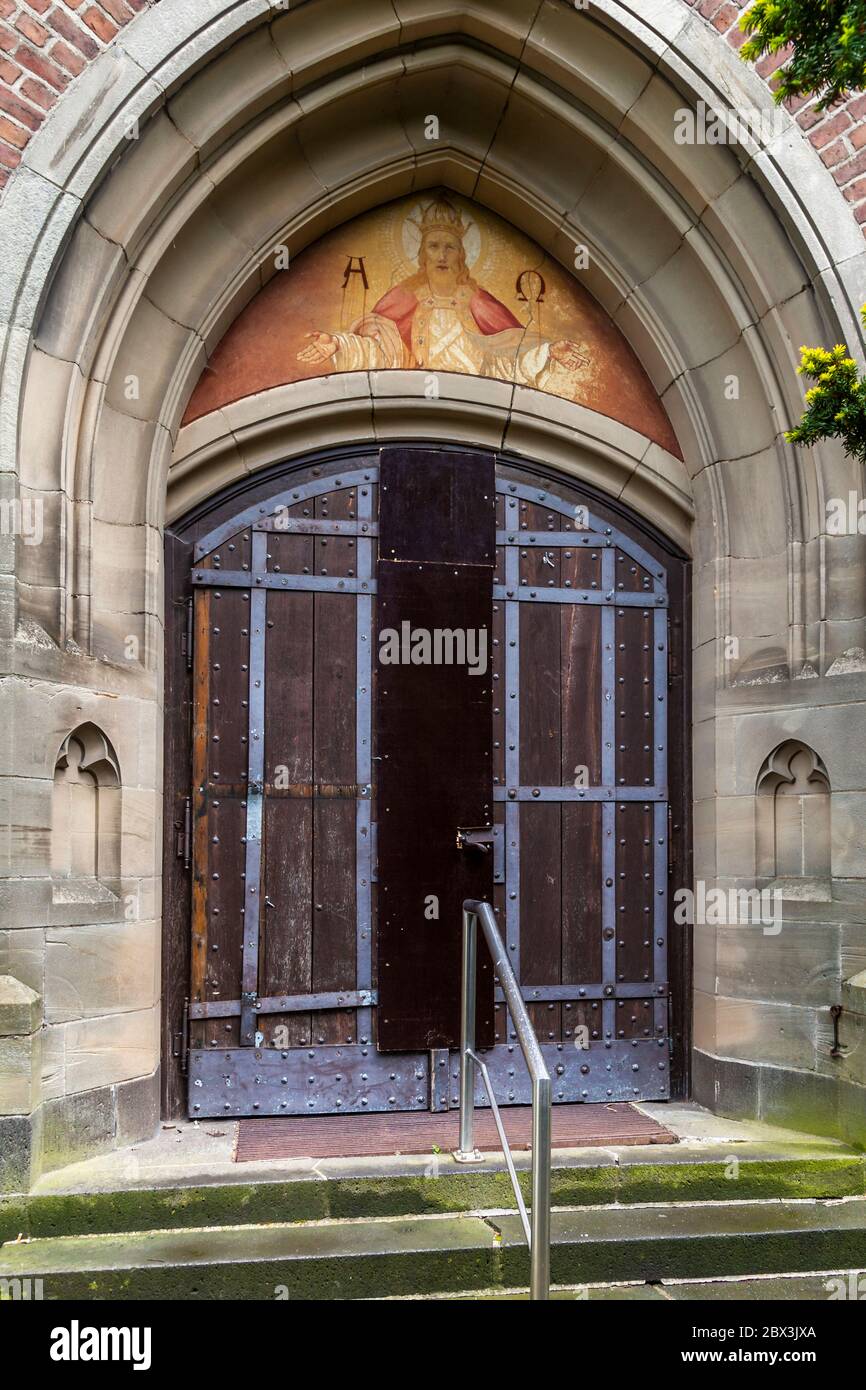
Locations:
(490, 315)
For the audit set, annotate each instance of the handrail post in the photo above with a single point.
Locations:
(467, 1152)
(539, 1274)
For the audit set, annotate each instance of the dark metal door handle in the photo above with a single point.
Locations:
(478, 837)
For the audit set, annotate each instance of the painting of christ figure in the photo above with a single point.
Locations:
(437, 284)
(441, 319)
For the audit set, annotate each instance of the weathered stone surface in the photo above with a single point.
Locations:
(118, 1047)
(567, 174)
(22, 954)
(799, 964)
(206, 258)
(92, 269)
(20, 1069)
(757, 1031)
(137, 1109)
(36, 217)
(742, 222)
(153, 167)
(725, 1087)
(20, 1008)
(255, 201)
(849, 835)
(588, 60)
(700, 173)
(508, 22)
(754, 490)
(75, 1126)
(16, 1153)
(111, 93)
(309, 52)
(51, 384)
(468, 92)
(800, 1100)
(120, 456)
(252, 70)
(92, 971)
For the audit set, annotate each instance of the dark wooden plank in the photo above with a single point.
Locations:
(580, 639)
(680, 938)
(435, 571)
(201, 713)
(634, 895)
(226, 822)
(581, 893)
(541, 765)
(635, 700)
(441, 509)
(287, 854)
(334, 930)
(228, 734)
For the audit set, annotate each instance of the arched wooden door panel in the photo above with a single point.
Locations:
(285, 700)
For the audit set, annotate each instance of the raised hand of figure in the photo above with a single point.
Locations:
(320, 348)
(568, 355)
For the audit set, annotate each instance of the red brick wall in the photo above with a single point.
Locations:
(45, 44)
(839, 135)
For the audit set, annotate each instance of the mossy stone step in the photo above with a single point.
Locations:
(385, 1258)
(784, 1288)
(311, 1260)
(678, 1241)
(679, 1177)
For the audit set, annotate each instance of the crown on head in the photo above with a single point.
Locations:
(443, 215)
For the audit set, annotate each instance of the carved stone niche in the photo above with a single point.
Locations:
(85, 819)
(793, 823)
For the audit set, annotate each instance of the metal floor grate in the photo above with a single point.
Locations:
(367, 1136)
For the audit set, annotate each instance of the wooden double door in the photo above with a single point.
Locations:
(395, 680)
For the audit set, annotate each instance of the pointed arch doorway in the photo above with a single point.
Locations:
(313, 863)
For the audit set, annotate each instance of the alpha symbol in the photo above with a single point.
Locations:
(359, 269)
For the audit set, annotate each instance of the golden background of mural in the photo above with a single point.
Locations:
(433, 283)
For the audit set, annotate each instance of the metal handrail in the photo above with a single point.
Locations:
(536, 1226)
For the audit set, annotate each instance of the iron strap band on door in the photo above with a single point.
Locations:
(660, 815)
(512, 759)
(536, 594)
(608, 777)
(364, 766)
(261, 579)
(365, 998)
(262, 512)
(603, 793)
(595, 534)
(285, 1004)
(356, 1079)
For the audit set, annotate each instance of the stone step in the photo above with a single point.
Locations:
(677, 1174)
(353, 1259)
(846, 1285)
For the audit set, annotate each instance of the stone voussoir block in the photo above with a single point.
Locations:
(20, 1008)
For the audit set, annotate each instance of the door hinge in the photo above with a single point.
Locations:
(186, 635)
(184, 833)
(672, 841)
(181, 1040)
